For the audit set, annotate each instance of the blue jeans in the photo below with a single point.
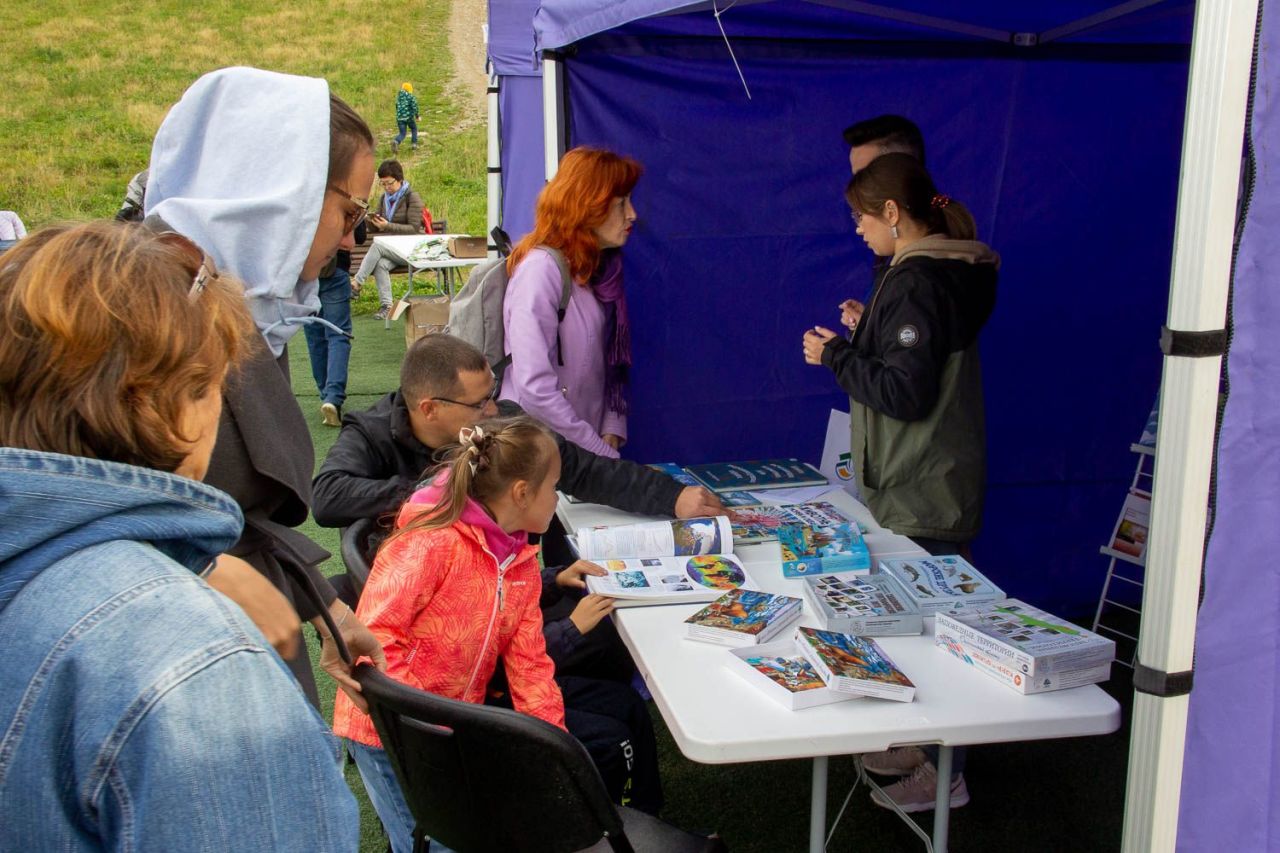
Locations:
(330, 352)
(403, 126)
(383, 788)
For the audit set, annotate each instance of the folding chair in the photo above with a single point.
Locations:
(480, 779)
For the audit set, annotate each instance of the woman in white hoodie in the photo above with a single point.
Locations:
(267, 173)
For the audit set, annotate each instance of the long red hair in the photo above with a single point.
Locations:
(575, 202)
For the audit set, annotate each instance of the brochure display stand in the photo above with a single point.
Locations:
(1119, 607)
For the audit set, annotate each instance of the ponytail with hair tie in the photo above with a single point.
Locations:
(474, 443)
(940, 201)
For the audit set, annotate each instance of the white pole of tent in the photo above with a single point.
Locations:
(1217, 91)
(552, 113)
(494, 217)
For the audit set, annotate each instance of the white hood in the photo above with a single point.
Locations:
(239, 166)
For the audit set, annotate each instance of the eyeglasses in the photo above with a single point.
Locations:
(479, 407)
(353, 217)
(206, 269)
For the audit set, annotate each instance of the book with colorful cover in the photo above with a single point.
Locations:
(636, 581)
(757, 474)
(680, 475)
(760, 522)
(938, 584)
(780, 670)
(1027, 638)
(743, 617)
(870, 606)
(1001, 670)
(853, 664)
(810, 550)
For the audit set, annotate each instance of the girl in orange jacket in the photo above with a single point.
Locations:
(456, 587)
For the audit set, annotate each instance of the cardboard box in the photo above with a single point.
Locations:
(468, 247)
(422, 316)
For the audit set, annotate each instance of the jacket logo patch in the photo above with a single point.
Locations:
(908, 336)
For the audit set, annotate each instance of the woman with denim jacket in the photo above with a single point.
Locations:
(139, 708)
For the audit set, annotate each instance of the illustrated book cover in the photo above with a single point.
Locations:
(760, 522)
(853, 664)
(780, 670)
(938, 584)
(743, 618)
(810, 550)
(869, 605)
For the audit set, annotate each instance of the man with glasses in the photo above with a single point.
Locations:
(397, 211)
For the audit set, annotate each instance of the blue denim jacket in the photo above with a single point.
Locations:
(140, 709)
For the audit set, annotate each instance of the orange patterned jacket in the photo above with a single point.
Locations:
(444, 610)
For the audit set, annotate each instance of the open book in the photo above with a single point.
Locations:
(663, 562)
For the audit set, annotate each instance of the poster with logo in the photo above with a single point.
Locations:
(837, 464)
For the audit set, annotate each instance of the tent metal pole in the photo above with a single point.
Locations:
(493, 218)
(1105, 16)
(1217, 92)
(553, 130)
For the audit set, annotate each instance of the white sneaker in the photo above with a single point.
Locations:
(899, 761)
(918, 792)
(330, 415)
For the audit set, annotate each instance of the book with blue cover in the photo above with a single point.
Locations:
(757, 474)
(680, 475)
(811, 550)
(760, 522)
(743, 617)
(852, 664)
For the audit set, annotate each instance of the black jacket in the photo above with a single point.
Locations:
(915, 386)
(377, 462)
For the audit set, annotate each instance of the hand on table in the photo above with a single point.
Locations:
(590, 610)
(360, 643)
(265, 605)
(696, 502)
(851, 313)
(814, 341)
(571, 576)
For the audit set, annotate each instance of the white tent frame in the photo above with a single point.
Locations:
(1208, 187)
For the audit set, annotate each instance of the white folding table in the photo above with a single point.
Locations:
(718, 718)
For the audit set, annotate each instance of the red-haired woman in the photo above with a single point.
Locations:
(570, 371)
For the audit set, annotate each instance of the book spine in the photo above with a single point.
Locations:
(720, 637)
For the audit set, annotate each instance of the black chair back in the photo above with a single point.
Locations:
(481, 779)
(355, 552)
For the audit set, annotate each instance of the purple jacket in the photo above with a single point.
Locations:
(569, 399)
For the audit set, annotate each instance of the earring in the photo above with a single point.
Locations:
(893, 229)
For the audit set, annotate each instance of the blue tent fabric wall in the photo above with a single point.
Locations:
(744, 241)
(1232, 762)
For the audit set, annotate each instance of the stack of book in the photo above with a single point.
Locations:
(1025, 648)
(781, 671)
(757, 474)
(856, 665)
(940, 584)
(743, 618)
(815, 538)
(870, 605)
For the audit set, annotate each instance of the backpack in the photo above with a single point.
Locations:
(475, 314)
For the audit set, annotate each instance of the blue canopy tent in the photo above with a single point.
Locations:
(1060, 125)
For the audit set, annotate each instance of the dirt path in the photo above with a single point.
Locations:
(466, 44)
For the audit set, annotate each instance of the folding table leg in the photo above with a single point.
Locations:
(942, 801)
(818, 806)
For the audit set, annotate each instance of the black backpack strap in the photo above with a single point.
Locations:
(566, 292)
